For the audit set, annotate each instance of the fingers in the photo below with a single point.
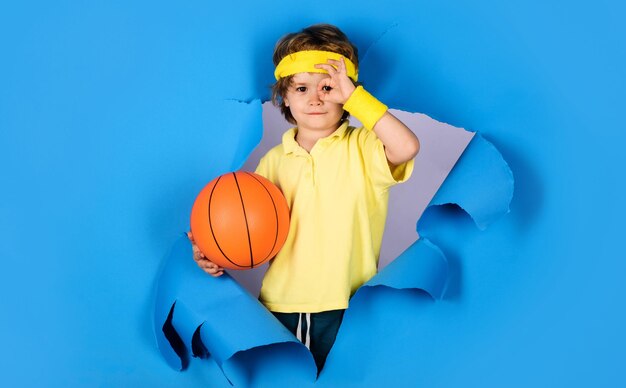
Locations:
(207, 265)
(340, 65)
(210, 267)
(333, 67)
(197, 254)
(339, 81)
(332, 71)
(322, 84)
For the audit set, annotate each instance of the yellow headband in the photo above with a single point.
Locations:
(305, 61)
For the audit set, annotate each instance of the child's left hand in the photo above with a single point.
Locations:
(338, 87)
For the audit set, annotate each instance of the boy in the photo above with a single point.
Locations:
(335, 179)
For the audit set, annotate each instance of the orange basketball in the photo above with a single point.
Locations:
(240, 220)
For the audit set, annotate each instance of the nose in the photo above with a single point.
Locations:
(314, 98)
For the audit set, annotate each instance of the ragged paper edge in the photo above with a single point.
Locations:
(481, 184)
(185, 320)
(480, 169)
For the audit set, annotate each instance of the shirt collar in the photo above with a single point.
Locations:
(290, 145)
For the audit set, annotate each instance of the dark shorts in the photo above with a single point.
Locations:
(317, 330)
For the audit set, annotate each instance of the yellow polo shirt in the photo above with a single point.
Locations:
(337, 196)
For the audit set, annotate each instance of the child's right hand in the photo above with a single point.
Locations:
(207, 265)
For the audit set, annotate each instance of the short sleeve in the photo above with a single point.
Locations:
(376, 165)
(263, 168)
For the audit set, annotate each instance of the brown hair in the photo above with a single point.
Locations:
(324, 37)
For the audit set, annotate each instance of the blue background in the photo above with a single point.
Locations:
(113, 116)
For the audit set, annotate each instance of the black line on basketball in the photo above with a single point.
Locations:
(275, 215)
(245, 217)
(211, 224)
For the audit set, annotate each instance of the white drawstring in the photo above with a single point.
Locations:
(307, 339)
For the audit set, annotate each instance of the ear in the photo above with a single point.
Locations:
(286, 101)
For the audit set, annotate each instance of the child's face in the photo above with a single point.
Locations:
(311, 112)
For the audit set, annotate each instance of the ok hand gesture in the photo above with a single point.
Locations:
(338, 87)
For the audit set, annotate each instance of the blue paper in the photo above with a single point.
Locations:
(229, 321)
(470, 185)
(113, 115)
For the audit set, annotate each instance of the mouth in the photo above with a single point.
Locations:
(316, 113)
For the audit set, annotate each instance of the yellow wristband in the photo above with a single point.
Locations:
(365, 107)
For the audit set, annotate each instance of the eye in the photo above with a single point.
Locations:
(301, 89)
(326, 88)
